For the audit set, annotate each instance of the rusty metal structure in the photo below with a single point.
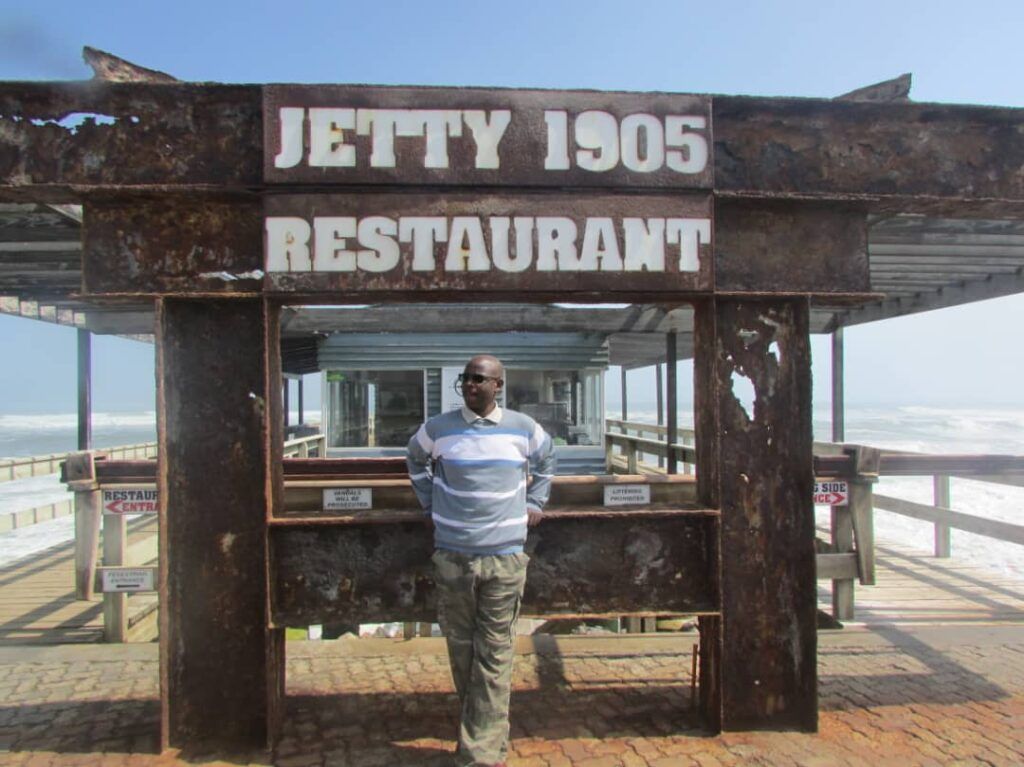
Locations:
(176, 182)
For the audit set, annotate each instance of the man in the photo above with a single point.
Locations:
(470, 469)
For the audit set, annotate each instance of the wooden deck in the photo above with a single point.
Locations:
(37, 604)
(915, 588)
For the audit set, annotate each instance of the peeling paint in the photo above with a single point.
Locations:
(743, 391)
(255, 274)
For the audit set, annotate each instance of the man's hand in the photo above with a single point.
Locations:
(534, 517)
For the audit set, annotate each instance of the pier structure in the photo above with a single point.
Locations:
(213, 208)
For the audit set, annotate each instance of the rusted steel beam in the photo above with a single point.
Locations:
(790, 247)
(58, 141)
(604, 566)
(912, 157)
(924, 157)
(213, 486)
(185, 245)
(764, 487)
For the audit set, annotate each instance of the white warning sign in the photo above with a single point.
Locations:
(831, 493)
(626, 495)
(130, 500)
(128, 579)
(348, 498)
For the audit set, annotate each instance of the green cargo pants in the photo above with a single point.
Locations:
(477, 606)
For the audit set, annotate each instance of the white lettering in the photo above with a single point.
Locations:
(330, 235)
(558, 140)
(645, 244)
(327, 147)
(505, 257)
(598, 135)
(466, 249)
(694, 158)
(600, 244)
(423, 231)
(439, 125)
(288, 245)
(654, 143)
(487, 134)
(291, 137)
(688, 234)
(378, 234)
(556, 244)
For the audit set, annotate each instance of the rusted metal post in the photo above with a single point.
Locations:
(302, 418)
(218, 401)
(838, 401)
(84, 389)
(757, 468)
(672, 425)
(940, 484)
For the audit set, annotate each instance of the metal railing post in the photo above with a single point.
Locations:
(940, 484)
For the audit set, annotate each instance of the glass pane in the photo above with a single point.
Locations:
(374, 408)
(564, 402)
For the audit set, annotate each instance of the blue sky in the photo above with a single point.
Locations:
(956, 52)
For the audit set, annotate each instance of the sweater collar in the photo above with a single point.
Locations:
(493, 417)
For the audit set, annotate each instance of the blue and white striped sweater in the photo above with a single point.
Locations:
(470, 473)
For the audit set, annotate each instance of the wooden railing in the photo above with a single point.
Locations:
(851, 553)
(41, 465)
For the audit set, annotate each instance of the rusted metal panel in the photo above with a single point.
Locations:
(760, 351)
(213, 506)
(58, 140)
(789, 247)
(480, 245)
(918, 153)
(540, 138)
(172, 244)
(372, 573)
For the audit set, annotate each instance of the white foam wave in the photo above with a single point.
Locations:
(64, 421)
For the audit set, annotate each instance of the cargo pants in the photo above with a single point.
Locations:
(477, 606)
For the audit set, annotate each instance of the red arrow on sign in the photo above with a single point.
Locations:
(114, 507)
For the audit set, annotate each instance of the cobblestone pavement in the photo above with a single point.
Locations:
(933, 697)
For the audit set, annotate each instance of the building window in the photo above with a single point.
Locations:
(374, 408)
(567, 403)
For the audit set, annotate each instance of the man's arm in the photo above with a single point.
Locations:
(542, 468)
(418, 459)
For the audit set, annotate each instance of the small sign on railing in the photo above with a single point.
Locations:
(127, 579)
(831, 493)
(348, 498)
(130, 500)
(626, 495)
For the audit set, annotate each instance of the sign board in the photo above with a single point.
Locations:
(128, 579)
(626, 495)
(130, 500)
(485, 242)
(348, 498)
(327, 134)
(831, 493)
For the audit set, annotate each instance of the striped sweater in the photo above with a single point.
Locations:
(470, 473)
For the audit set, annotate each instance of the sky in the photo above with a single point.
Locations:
(966, 356)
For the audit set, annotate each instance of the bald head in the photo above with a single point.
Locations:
(482, 380)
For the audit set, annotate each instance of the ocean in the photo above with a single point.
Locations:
(913, 428)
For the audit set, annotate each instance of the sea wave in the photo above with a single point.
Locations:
(62, 421)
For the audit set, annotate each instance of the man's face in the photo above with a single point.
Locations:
(479, 397)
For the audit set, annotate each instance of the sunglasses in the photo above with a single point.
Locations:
(475, 378)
